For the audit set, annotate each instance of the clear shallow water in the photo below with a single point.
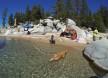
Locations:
(23, 59)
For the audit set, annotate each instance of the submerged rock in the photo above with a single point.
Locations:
(97, 55)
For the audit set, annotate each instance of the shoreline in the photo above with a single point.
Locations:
(45, 39)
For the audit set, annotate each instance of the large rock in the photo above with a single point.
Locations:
(97, 55)
(40, 30)
(49, 22)
(54, 30)
(58, 26)
(79, 31)
(48, 29)
(55, 22)
(70, 22)
(8, 32)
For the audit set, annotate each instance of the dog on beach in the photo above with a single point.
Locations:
(59, 55)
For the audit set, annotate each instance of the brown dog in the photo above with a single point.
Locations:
(59, 55)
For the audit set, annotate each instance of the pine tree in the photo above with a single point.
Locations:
(4, 17)
(27, 14)
(98, 22)
(38, 12)
(89, 19)
(47, 14)
(70, 9)
(19, 16)
(84, 11)
(77, 5)
(104, 14)
(58, 9)
(11, 20)
(42, 13)
(33, 13)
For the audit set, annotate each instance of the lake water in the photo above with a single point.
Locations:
(21, 58)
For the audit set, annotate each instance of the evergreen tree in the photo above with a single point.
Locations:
(89, 19)
(58, 9)
(84, 11)
(47, 14)
(42, 13)
(11, 20)
(19, 16)
(104, 14)
(33, 13)
(4, 17)
(38, 12)
(77, 4)
(27, 14)
(70, 9)
(98, 22)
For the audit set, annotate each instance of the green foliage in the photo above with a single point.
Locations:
(19, 16)
(47, 14)
(11, 20)
(36, 22)
(84, 11)
(77, 4)
(89, 19)
(58, 9)
(4, 17)
(37, 13)
(104, 14)
(33, 13)
(27, 14)
(70, 9)
(98, 22)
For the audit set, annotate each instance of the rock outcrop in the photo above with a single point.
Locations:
(97, 55)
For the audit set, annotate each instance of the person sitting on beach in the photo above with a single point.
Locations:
(28, 32)
(52, 40)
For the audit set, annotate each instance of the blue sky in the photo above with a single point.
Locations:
(20, 5)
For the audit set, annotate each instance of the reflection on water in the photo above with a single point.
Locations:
(24, 59)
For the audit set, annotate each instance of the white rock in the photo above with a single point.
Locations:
(49, 22)
(41, 21)
(58, 26)
(8, 32)
(97, 55)
(40, 29)
(70, 22)
(48, 29)
(79, 31)
(55, 22)
(54, 30)
(82, 40)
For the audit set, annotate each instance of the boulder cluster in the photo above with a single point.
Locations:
(51, 25)
(48, 26)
